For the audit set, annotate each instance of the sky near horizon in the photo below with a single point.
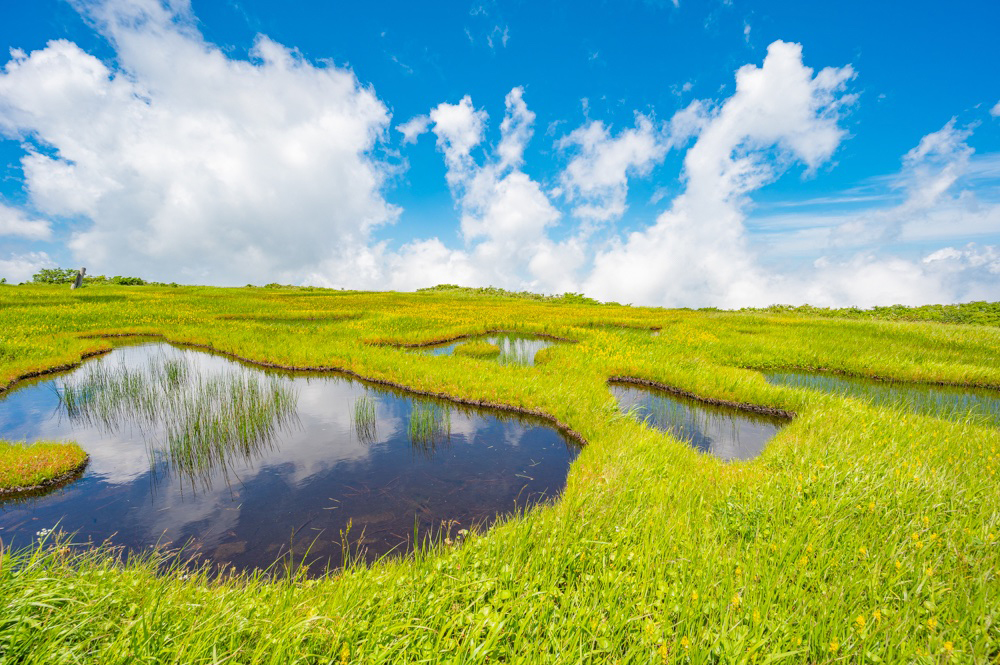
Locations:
(722, 153)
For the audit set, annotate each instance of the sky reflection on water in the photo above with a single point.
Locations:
(303, 489)
(725, 432)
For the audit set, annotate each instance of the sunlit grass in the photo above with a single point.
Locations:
(25, 466)
(478, 349)
(862, 533)
(948, 402)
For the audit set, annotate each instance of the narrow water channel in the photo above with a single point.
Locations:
(951, 402)
(728, 433)
(513, 348)
(305, 462)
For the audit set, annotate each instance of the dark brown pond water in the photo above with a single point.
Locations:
(724, 432)
(515, 349)
(289, 479)
(979, 405)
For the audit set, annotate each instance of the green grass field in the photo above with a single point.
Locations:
(24, 467)
(862, 534)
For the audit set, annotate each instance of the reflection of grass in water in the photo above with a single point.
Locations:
(516, 352)
(938, 401)
(208, 422)
(428, 424)
(690, 424)
(365, 419)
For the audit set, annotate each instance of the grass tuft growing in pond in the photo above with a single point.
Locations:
(207, 421)
(428, 425)
(365, 419)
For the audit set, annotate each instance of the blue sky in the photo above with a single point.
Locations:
(698, 153)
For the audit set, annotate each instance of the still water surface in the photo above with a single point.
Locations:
(725, 432)
(953, 402)
(299, 488)
(515, 349)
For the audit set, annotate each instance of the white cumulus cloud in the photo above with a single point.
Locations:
(15, 222)
(20, 267)
(696, 252)
(188, 163)
(596, 178)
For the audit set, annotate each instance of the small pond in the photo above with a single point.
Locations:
(726, 432)
(243, 466)
(953, 402)
(514, 348)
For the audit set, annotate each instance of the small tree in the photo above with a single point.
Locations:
(54, 276)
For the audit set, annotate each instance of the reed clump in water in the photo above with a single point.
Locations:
(365, 419)
(207, 422)
(429, 424)
(515, 352)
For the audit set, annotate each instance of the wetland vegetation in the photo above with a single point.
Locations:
(862, 532)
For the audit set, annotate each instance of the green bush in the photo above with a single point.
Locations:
(54, 276)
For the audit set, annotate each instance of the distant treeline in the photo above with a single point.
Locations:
(496, 292)
(979, 313)
(68, 275)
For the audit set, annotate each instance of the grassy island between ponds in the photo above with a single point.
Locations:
(862, 533)
(30, 467)
(477, 349)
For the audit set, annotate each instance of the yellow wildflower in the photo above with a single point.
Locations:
(694, 595)
(931, 623)
(834, 646)
(860, 621)
(685, 642)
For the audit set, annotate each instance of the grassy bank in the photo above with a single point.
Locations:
(862, 534)
(26, 467)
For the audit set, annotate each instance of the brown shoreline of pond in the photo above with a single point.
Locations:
(565, 429)
(742, 406)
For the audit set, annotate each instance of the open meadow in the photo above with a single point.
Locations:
(865, 532)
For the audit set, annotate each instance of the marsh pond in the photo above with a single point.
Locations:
(725, 432)
(244, 468)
